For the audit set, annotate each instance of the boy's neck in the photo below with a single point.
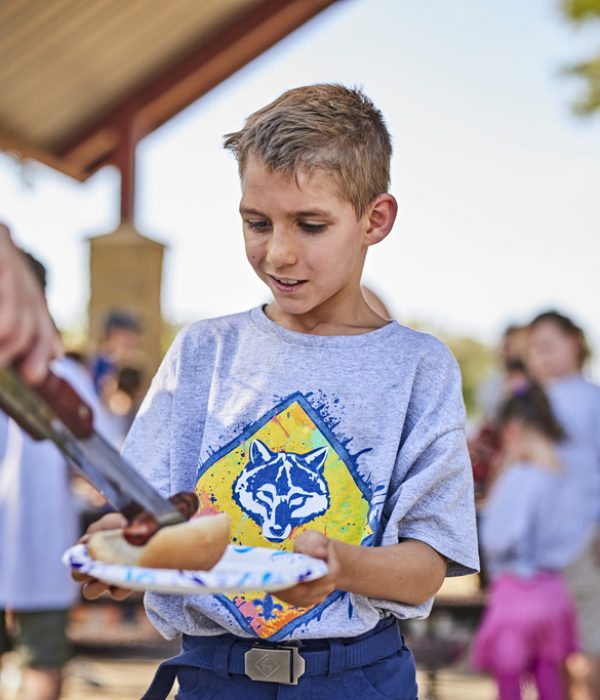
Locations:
(353, 317)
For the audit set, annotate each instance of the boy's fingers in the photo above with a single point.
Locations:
(309, 592)
(79, 577)
(119, 593)
(93, 589)
(313, 544)
(110, 521)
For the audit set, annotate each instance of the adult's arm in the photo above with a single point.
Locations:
(27, 333)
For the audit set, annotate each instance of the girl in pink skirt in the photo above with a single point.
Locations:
(532, 526)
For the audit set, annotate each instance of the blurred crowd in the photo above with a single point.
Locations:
(536, 465)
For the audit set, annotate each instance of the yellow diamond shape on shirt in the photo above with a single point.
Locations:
(284, 474)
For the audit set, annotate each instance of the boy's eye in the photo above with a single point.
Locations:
(258, 224)
(311, 228)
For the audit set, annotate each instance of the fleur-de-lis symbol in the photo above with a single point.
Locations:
(268, 607)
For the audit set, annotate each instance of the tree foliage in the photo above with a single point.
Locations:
(579, 11)
(476, 360)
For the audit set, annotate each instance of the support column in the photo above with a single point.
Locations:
(124, 159)
(126, 267)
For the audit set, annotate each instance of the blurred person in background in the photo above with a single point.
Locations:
(122, 395)
(511, 357)
(484, 443)
(39, 520)
(27, 332)
(532, 527)
(557, 356)
(120, 339)
(116, 369)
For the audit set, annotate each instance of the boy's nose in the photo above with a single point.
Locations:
(282, 250)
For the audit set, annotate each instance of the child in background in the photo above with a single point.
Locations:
(510, 358)
(558, 352)
(484, 442)
(315, 424)
(532, 526)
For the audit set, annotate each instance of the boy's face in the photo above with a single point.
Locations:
(303, 240)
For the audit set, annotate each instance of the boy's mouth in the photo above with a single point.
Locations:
(287, 284)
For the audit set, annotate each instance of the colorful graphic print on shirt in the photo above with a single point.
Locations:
(284, 474)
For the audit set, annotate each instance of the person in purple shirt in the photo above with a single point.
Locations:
(557, 355)
(532, 527)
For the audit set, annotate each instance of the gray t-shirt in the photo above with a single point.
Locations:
(360, 437)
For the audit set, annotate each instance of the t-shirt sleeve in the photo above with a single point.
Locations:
(431, 495)
(147, 446)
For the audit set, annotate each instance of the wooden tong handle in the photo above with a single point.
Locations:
(67, 404)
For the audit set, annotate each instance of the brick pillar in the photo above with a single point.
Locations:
(125, 274)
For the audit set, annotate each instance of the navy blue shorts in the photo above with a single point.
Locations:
(374, 666)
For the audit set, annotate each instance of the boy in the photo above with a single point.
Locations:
(315, 424)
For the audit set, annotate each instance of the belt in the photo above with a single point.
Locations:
(276, 663)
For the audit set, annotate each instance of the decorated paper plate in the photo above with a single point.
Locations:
(240, 569)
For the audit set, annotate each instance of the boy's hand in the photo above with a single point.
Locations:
(303, 595)
(92, 588)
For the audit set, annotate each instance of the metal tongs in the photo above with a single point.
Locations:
(54, 411)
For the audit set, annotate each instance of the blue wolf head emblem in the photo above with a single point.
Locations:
(280, 490)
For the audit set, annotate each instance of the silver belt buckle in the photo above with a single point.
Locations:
(281, 665)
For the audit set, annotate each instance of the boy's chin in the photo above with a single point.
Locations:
(291, 307)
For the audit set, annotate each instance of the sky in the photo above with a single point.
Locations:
(496, 179)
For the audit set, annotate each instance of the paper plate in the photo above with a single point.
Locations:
(240, 569)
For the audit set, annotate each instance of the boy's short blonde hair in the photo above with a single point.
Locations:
(321, 127)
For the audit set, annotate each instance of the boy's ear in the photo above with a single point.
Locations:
(381, 216)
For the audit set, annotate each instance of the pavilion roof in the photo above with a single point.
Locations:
(76, 74)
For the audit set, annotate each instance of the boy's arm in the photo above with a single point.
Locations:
(410, 572)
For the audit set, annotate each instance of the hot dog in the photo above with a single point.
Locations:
(143, 525)
(195, 545)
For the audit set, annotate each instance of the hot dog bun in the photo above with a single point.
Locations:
(196, 545)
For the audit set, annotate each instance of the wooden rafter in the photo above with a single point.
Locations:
(193, 75)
